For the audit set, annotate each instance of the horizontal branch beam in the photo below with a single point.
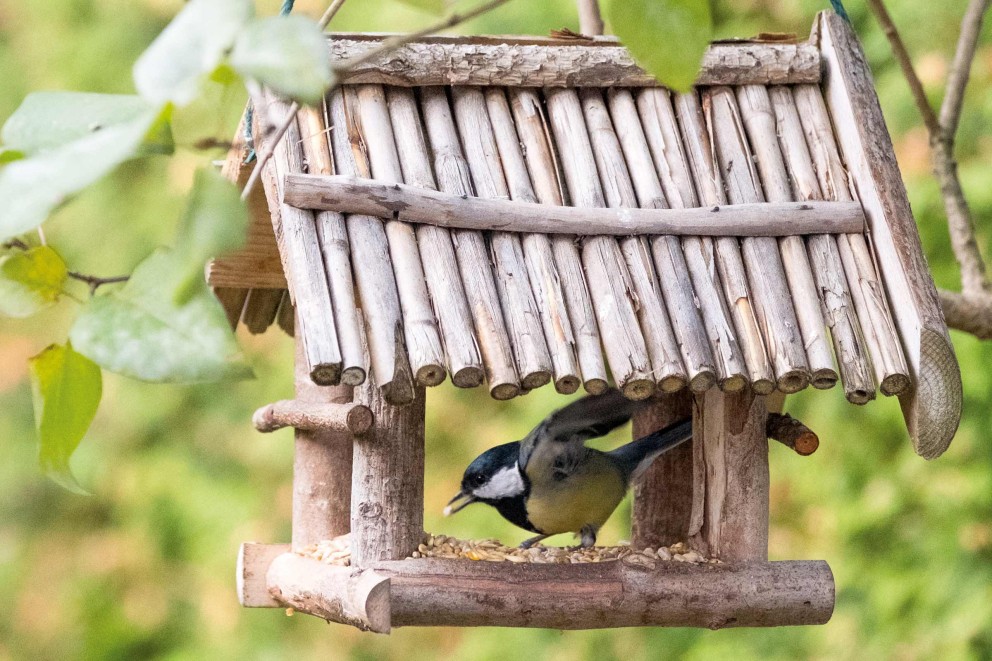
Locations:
(792, 433)
(419, 205)
(313, 416)
(541, 62)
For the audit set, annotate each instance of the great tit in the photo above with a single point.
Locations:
(551, 483)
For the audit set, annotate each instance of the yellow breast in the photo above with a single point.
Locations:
(588, 496)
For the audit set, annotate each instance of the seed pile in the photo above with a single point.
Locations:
(337, 552)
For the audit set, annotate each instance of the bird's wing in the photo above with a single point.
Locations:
(560, 437)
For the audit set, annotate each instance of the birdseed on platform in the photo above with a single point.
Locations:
(337, 552)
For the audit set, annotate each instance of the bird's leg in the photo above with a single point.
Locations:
(588, 536)
(527, 543)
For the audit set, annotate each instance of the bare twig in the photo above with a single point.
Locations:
(95, 282)
(957, 78)
(386, 46)
(590, 21)
(329, 14)
(969, 313)
(15, 243)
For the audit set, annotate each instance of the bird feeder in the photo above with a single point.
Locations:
(511, 212)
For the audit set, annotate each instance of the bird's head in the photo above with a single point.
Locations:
(493, 476)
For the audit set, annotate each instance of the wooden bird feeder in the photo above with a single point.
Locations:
(511, 212)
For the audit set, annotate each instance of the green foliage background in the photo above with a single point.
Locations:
(144, 568)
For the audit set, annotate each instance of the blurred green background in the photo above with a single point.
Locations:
(144, 568)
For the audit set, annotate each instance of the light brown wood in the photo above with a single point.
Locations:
(430, 592)
(663, 495)
(437, 253)
(520, 312)
(606, 271)
(850, 348)
(932, 407)
(387, 489)
(579, 327)
(538, 251)
(470, 247)
(722, 254)
(792, 433)
(374, 281)
(590, 20)
(333, 236)
(253, 564)
(730, 521)
(766, 273)
(419, 205)
(337, 594)
(538, 62)
(423, 339)
(759, 121)
(322, 460)
(313, 416)
(261, 307)
(667, 368)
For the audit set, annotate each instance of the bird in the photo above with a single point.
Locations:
(551, 483)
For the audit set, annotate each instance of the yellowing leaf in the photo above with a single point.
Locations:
(66, 388)
(666, 37)
(30, 281)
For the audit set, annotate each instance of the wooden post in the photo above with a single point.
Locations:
(663, 496)
(321, 467)
(730, 516)
(387, 507)
(590, 21)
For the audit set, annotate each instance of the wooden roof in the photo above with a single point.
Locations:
(795, 262)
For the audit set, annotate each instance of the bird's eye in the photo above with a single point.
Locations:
(476, 480)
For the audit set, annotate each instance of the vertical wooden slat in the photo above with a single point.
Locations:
(519, 307)
(613, 294)
(261, 307)
(765, 271)
(470, 247)
(423, 339)
(374, 280)
(286, 317)
(437, 253)
(233, 302)
(759, 121)
(535, 139)
(727, 254)
(663, 348)
(538, 251)
(835, 294)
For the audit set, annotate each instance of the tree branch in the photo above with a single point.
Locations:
(957, 78)
(95, 282)
(590, 21)
(971, 313)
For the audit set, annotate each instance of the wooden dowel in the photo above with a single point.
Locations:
(333, 236)
(590, 21)
(470, 248)
(313, 416)
(423, 339)
(725, 252)
(690, 282)
(303, 264)
(606, 272)
(766, 273)
(261, 308)
(759, 121)
(418, 205)
(539, 62)
(437, 253)
(535, 139)
(519, 307)
(878, 327)
(673, 272)
(538, 252)
(233, 302)
(792, 434)
(835, 294)
(375, 281)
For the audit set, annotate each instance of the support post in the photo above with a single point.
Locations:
(663, 495)
(387, 505)
(730, 514)
(321, 466)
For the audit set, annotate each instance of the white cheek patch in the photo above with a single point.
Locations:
(505, 484)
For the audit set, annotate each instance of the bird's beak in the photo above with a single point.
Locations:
(452, 507)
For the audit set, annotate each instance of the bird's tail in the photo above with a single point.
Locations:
(635, 457)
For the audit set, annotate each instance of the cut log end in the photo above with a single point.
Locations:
(468, 377)
(793, 382)
(352, 376)
(673, 383)
(733, 383)
(431, 375)
(824, 379)
(859, 396)
(702, 382)
(763, 386)
(894, 384)
(566, 385)
(637, 389)
(596, 386)
(504, 391)
(536, 380)
(792, 433)
(360, 419)
(326, 374)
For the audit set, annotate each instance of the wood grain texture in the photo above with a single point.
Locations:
(537, 62)
(261, 307)
(253, 564)
(313, 416)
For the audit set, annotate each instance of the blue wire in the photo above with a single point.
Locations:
(287, 6)
(839, 8)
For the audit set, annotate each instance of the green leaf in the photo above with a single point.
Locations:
(66, 388)
(214, 223)
(140, 331)
(286, 53)
(31, 188)
(48, 120)
(436, 7)
(30, 281)
(189, 49)
(10, 155)
(666, 37)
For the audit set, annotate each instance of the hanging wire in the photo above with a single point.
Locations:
(838, 7)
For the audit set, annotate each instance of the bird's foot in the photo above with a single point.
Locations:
(527, 543)
(588, 535)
